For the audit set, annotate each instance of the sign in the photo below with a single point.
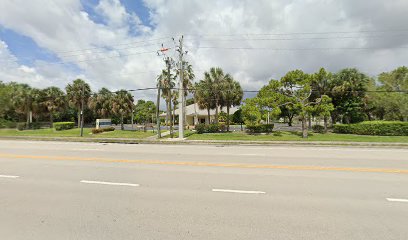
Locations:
(102, 123)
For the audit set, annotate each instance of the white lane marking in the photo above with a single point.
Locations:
(397, 200)
(9, 176)
(111, 183)
(237, 191)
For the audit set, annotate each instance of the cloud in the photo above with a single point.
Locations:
(121, 53)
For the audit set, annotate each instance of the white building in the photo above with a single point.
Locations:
(196, 115)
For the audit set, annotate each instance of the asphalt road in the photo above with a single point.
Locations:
(56, 190)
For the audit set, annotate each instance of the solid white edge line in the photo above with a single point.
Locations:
(397, 200)
(9, 176)
(111, 183)
(237, 191)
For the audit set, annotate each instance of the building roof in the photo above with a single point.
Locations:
(193, 109)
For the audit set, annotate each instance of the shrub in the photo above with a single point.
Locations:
(201, 128)
(21, 126)
(7, 124)
(101, 130)
(260, 128)
(213, 128)
(318, 129)
(96, 130)
(63, 125)
(382, 128)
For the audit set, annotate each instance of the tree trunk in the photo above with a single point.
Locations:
(333, 119)
(304, 128)
(79, 117)
(51, 119)
(228, 120)
(325, 123)
(290, 118)
(310, 122)
(208, 112)
(121, 122)
(216, 113)
(168, 113)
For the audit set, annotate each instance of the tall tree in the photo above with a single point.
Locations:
(217, 77)
(167, 83)
(322, 83)
(349, 87)
(78, 93)
(101, 103)
(54, 101)
(232, 96)
(122, 105)
(204, 95)
(396, 101)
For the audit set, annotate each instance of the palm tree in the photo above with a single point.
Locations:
(122, 105)
(204, 95)
(101, 102)
(78, 94)
(232, 95)
(166, 82)
(22, 99)
(54, 101)
(217, 77)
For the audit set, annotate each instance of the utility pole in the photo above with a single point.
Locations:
(181, 90)
(168, 63)
(82, 110)
(158, 109)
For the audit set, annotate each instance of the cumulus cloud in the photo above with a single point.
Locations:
(246, 38)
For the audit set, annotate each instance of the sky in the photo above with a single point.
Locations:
(113, 43)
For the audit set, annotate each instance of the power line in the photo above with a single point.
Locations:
(298, 49)
(303, 33)
(300, 38)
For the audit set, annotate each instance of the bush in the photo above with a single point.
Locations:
(7, 124)
(381, 128)
(318, 129)
(213, 128)
(63, 125)
(21, 126)
(101, 130)
(260, 128)
(201, 128)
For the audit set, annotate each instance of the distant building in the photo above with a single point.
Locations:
(196, 115)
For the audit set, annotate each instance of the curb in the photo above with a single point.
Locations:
(208, 142)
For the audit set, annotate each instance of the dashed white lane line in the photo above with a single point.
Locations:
(8, 176)
(237, 191)
(397, 200)
(111, 183)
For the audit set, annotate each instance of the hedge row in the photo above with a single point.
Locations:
(211, 128)
(260, 128)
(101, 130)
(381, 128)
(34, 125)
(59, 126)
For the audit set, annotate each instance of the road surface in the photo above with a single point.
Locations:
(57, 190)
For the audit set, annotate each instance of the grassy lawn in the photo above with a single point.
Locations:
(292, 136)
(50, 132)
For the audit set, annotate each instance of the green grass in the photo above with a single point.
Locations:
(293, 136)
(50, 132)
